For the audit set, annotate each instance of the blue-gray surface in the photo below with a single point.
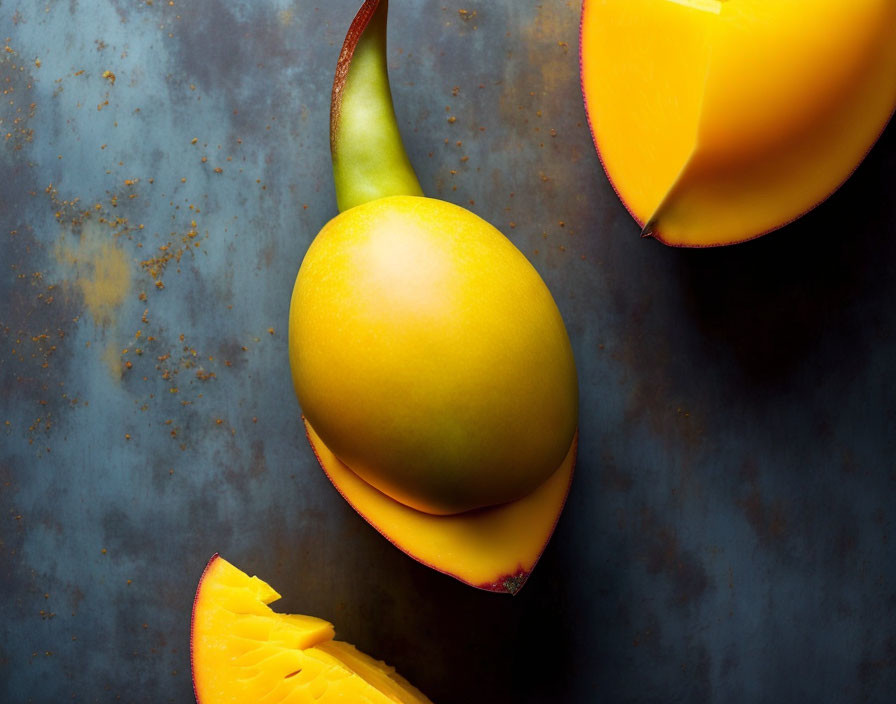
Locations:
(728, 535)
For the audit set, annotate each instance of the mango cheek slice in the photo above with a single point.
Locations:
(720, 120)
(493, 548)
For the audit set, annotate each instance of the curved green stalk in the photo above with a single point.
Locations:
(369, 160)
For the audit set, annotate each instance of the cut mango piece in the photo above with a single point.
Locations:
(494, 548)
(717, 122)
(242, 651)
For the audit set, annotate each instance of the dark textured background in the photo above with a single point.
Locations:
(728, 535)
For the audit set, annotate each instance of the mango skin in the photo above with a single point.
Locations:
(430, 357)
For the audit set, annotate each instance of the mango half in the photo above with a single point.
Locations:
(720, 120)
(430, 358)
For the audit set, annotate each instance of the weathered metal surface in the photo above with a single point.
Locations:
(728, 536)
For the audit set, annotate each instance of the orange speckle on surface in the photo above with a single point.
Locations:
(219, 170)
(271, 331)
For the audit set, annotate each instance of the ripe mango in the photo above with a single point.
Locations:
(433, 368)
(430, 357)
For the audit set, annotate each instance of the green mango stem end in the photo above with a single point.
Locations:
(369, 160)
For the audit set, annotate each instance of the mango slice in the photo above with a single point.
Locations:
(494, 548)
(721, 120)
(242, 651)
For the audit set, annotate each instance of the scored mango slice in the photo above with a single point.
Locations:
(242, 651)
(721, 120)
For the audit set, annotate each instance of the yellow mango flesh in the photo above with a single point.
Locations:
(430, 357)
(242, 651)
(720, 121)
(493, 548)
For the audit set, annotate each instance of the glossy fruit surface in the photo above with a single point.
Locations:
(430, 357)
(494, 548)
(718, 121)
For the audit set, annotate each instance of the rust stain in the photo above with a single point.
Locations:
(767, 519)
(285, 17)
(611, 477)
(663, 555)
(100, 271)
(872, 668)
